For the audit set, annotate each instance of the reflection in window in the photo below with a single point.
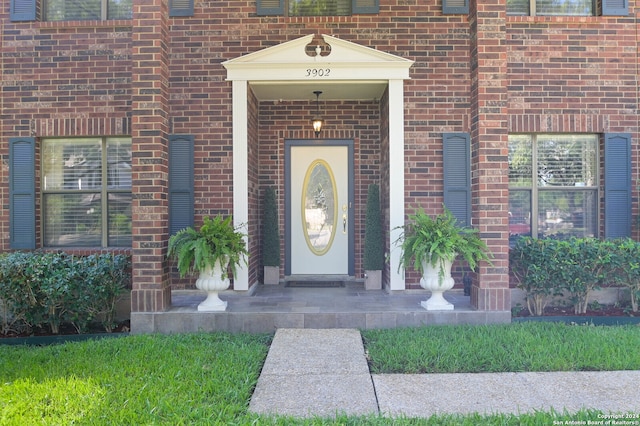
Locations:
(319, 209)
(319, 7)
(86, 185)
(550, 7)
(553, 185)
(87, 10)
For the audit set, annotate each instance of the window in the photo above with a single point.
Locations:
(84, 10)
(319, 8)
(553, 185)
(86, 191)
(550, 7)
(567, 7)
(316, 7)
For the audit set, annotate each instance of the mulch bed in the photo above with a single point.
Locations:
(600, 311)
(69, 330)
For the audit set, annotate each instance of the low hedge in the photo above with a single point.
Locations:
(45, 289)
(549, 267)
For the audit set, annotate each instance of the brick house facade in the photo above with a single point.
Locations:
(162, 76)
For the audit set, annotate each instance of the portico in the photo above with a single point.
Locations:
(342, 71)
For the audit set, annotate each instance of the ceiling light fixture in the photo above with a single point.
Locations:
(317, 120)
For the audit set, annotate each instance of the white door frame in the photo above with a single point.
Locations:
(349, 63)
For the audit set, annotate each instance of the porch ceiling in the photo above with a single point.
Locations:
(331, 90)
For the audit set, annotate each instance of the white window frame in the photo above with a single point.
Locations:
(104, 190)
(535, 188)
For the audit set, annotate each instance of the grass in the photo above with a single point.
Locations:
(137, 380)
(529, 346)
(208, 379)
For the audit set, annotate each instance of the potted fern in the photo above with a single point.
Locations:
(212, 251)
(431, 245)
(270, 238)
(373, 241)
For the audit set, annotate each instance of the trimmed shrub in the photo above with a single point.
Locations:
(104, 278)
(586, 265)
(45, 289)
(549, 267)
(270, 230)
(18, 303)
(534, 264)
(373, 233)
(629, 253)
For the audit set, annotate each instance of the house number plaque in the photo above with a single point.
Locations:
(318, 72)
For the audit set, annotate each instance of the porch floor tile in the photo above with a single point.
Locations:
(271, 307)
(350, 298)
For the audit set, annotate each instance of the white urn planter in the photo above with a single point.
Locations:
(437, 279)
(211, 281)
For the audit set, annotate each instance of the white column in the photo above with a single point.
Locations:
(240, 172)
(396, 178)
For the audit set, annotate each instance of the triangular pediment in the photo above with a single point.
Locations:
(294, 51)
(342, 61)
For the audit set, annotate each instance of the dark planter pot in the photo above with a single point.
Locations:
(55, 340)
(576, 319)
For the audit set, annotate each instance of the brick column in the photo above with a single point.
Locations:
(489, 150)
(149, 128)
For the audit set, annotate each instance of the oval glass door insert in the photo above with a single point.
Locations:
(319, 207)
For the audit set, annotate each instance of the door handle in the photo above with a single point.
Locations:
(344, 218)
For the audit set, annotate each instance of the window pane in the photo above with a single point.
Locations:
(519, 214)
(567, 213)
(71, 164)
(119, 163)
(73, 10)
(564, 7)
(119, 9)
(567, 160)
(74, 194)
(520, 158)
(72, 220)
(319, 7)
(120, 220)
(517, 7)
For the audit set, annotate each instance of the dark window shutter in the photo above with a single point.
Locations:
(22, 10)
(455, 7)
(181, 8)
(457, 175)
(365, 6)
(181, 198)
(22, 193)
(270, 7)
(615, 7)
(617, 185)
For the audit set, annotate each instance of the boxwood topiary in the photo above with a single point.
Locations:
(270, 230)
(373, 234)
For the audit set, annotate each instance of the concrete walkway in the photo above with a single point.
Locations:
(324, 372)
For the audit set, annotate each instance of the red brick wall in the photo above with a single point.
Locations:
(60, 81)
(359, 121)
(486, 73)
(576, 75)
(150, 149)
(255, 192)
(489, 152)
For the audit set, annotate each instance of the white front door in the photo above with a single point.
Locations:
(319, 209)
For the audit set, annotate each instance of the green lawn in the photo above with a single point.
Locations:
(532, 346)
(208, 378)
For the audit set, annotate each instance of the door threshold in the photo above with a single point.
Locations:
(317, 281)
(315, 277)
(314, 284)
